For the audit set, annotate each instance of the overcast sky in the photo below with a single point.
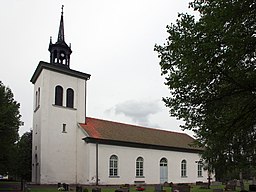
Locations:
(113, 40)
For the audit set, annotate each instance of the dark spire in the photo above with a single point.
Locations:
(50, 40)
(60, 51)
(61, 28)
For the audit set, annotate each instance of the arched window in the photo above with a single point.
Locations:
(37, 104)
(36, 100)
(113, 166)
(183, 168)
(70, 98)
(163, 170)
(58, 95)
(139, 167)
(38, 97)
(200, 169)
(163, 162)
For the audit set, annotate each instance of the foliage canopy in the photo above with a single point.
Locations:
(24, 156)
(9, 126)
(209, 65)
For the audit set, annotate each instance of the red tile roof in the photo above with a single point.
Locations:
(113, 131)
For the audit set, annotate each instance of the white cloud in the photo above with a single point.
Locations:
(138, 111)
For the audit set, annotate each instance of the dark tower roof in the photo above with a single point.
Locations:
(61, 28)
(60, 52)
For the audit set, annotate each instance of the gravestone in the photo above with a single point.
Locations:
(181, 188)
(230, 187)
(216, 183)
(125, 187)
(65, 186)
(97, 189)
(158, 188)
(79, 189)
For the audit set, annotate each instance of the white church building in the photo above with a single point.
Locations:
(70, 147)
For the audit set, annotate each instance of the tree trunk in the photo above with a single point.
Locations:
(241, 180)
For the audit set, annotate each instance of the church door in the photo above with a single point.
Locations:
(163, 170)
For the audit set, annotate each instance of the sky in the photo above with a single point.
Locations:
(112, 40)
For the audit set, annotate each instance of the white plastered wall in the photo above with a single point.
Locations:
(57, 149)
(83, 162)
(126, 165)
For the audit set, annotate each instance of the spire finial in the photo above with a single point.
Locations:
(62, 10)
(50, 40)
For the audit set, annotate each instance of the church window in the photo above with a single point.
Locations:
(70, 98)
(37, 99)
(64, 128)
(113, 166)
(58, 95)
(183, 168)
(200, 169)
(139, 167)
(163, 162)
(36, 129)
(163, 170)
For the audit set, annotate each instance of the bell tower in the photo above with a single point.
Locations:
(59, 106)
(60, 52)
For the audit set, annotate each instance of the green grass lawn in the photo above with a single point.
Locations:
(194, 188)
(6, 186)
(112, 189)
(9, 186)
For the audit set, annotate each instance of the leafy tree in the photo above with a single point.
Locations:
(24, 156)
(209, 65)
(9, 125)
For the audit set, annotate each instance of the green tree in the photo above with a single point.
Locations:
(24, 156)
(209, 65)
(9, 126)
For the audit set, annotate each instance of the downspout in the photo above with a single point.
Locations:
(85, 94)
(76, 156)
(97, 164)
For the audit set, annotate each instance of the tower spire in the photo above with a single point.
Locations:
(61, 27)
(60, 52)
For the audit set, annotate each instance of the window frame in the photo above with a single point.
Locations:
(113, 166)
(200, 169)
(139, 167)
(70, 98)
(58, 95)
(163, 162)
(37, 99)
(183, 168)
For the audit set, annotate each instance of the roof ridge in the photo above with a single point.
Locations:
(140, 126)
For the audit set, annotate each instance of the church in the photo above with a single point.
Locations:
(70, 147)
